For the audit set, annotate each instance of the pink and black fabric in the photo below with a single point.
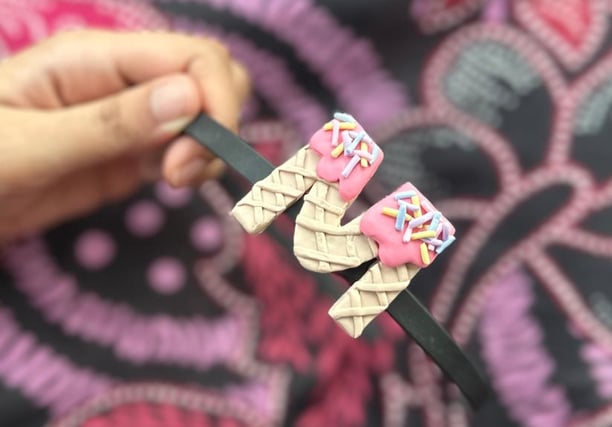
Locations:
(158, 311)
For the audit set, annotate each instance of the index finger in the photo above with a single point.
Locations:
(80, 66)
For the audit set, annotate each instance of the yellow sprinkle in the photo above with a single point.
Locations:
(343, 126)
(390, 212)
(393, 213)
(423, 235)
(417, 202)
(364, 162)
(338, 150)
(425, 254)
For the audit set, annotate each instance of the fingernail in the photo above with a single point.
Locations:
(174, 126)
(171, 99)
(190, 172)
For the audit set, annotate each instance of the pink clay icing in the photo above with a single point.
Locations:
(392, 251)
(330, 168)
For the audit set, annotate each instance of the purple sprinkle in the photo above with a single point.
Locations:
(427, 206)
(363, 154)
(445, 231)
(433, 241)
(407, 235)
(346, 138)
(335, 130)
(409, 206)
(351, 165)
(421, 220)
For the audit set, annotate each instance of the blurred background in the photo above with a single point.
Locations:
(159, 311)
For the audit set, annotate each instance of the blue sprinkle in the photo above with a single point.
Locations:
(409, 206)
(344, 117)
(375, 151)
(404, 195)
(445, 244)
(354, 143)
(401, 217)
(435, 221)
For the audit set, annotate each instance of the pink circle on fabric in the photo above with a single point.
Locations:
(207, 234)
(172, 197)
(144, 218)
(95, 249)
(166, 275)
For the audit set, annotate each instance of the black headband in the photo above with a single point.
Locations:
(406, 309)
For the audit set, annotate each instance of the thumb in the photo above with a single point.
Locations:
(139, 118)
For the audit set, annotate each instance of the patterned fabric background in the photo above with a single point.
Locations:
(159, 311)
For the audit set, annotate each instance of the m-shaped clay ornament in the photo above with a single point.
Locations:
(402, 233)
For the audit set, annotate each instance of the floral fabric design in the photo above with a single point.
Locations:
(159, 311)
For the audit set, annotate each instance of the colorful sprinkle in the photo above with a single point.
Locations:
(428, 206)
(362, 154)
(401, 218)
(341, 126)
(409, 206)
(375, 151)
(423, 235)
(351, 147)
(415, 201)
(445, 244)
(445, 232)
(425, 254)
(435, 221)
(343, 117)
(338, 150)
(421, 220)
(407, 235)
(393, 213)
(346, 137)
(350, 166)
(390, 212)
(405, 195)
(335, 131)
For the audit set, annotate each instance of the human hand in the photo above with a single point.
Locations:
(88, 116)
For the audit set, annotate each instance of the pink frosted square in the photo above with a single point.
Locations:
(392, 251)
(330, 168)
